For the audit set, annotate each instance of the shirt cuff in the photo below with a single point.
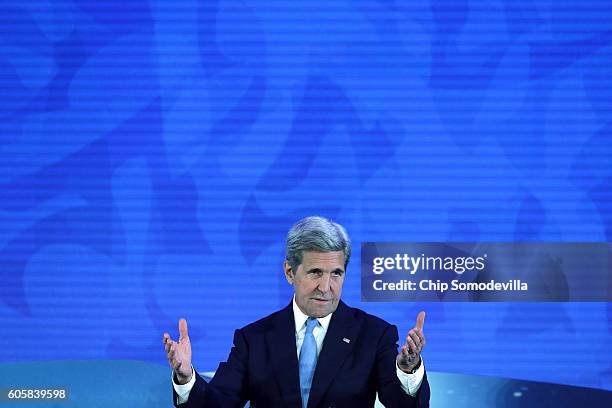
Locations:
(411, 382)
(183, 390)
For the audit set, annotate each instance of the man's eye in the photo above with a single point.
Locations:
(338, 273)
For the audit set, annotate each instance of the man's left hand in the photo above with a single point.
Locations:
(409, 356)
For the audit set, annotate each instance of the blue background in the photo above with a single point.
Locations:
(153, 155)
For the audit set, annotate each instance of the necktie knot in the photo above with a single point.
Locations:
(311, 323)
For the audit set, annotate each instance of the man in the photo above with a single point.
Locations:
(317, 351)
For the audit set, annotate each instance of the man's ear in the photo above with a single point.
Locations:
(289, 274)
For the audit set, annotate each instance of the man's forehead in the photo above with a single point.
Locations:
(323, 258)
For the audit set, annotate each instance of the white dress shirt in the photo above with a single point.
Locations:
(410, 382)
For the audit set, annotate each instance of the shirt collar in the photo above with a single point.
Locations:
(300, 318)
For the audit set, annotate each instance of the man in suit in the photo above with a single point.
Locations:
(317, 351)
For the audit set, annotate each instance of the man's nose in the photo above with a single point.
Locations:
(324, 282)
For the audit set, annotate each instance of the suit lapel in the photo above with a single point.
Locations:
(342, 327)
(281, 343)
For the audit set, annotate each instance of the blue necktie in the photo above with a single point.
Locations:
(308, 359)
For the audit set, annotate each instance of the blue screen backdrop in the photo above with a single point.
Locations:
(153, 155)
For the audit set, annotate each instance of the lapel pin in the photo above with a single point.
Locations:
(347, 341)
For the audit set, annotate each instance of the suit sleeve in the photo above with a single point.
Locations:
(390, 391)
(228, 387)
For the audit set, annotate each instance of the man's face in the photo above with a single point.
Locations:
(317, 282)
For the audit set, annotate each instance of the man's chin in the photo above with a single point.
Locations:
(322, 309)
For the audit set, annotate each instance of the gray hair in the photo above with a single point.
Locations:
(316, 234)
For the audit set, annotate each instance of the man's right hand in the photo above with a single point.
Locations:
(179, 353)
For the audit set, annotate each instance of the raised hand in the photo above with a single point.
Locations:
(409, 356)
(179, 353)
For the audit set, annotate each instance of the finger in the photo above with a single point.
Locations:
(421, 336)
(421, 339)
(167, 338)
(183, 329)
(174, 361)
(404, 356)
(170, 357)
(171, 344)
(415, 339)
(420, 320)
(171, 351)
(412, 347)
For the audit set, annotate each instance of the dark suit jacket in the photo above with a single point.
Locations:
(263, 367)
